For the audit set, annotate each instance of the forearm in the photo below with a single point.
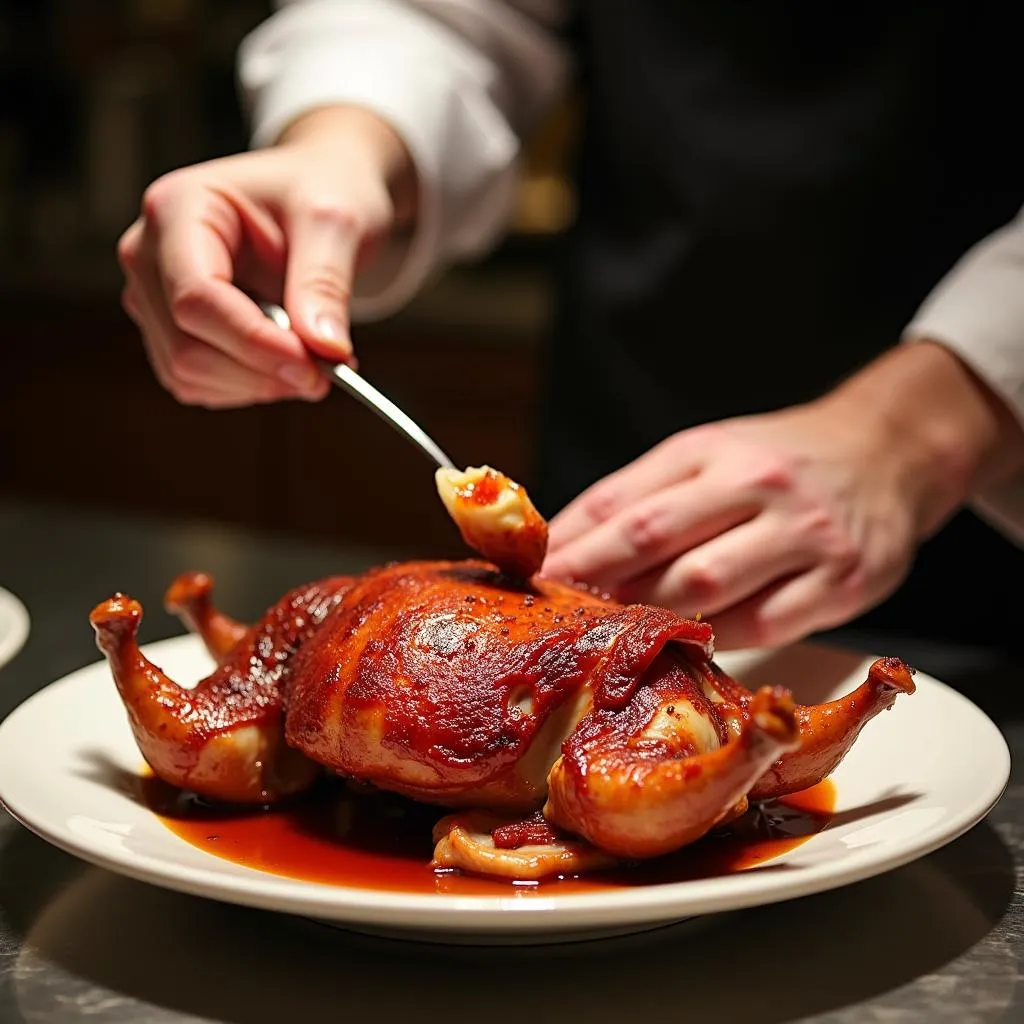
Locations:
(941, 430)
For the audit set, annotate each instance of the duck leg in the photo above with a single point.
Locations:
(191, 739)
(665, 770)
(828, 731)
(190, 598)
(224, 739)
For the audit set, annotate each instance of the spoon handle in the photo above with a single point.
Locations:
(359, 387)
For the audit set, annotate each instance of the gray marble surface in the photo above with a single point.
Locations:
(939, 940)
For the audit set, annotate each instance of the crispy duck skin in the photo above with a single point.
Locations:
(565, 731)
(190, 597)
(444, 682)
(828, 731)
(636, 787)
(224, 739)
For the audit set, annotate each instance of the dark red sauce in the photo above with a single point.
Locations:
(384, 842)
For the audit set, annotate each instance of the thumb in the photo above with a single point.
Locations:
(323, 244)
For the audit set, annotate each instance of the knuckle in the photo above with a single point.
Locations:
(843, 552)
(830, 538)
(681, 447)
(646, 530)
(184, 365)
(600, 503)
(374, 212)
(326, 285)
(381, 213)
(698, 437)
(701, 583)
(191, 303)
(183, 391)
(854, 585)
(128, 251)
(773, 474)
(763, 630)
(339, 216)
(158, 193)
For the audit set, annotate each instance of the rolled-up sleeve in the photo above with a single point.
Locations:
(977, 311)
(460, 81)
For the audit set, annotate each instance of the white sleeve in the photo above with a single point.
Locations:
(977, 311)
(460, 81)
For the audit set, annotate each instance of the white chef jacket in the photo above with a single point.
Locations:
(462, 81)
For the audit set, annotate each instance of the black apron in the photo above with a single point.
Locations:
(767, 193)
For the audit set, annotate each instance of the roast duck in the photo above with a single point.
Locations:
(559, 730)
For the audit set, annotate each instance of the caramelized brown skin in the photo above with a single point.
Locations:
(828, 731)
(190, 598)
(436, 679)
(451, 684)
(224, 739)
(639, 796)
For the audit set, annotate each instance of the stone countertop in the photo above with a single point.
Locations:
(938, 940)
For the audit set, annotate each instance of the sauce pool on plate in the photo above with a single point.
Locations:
(382, 842)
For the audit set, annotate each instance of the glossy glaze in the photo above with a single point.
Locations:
(450, 684)
(383, 842)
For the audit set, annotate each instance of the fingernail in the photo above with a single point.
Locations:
(332, 329)
(302, 378)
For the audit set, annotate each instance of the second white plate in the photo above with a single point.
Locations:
(14, 626)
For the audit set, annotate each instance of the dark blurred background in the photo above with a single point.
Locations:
(99, 98)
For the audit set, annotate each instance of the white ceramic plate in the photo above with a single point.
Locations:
(900, 796)
(13, 626)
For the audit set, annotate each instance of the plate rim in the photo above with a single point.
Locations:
(13, 640)
(443, 912)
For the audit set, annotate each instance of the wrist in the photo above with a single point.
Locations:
(357, 129)
(934, 425)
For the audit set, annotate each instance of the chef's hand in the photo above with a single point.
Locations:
(293, 221)
(775, 526)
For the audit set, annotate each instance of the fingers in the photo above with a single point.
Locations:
(650, 532)
(785, 612)
(326, 236)
(318, 282)
(191, 370)
(196, 236)
(208, 343)
(792, 608)
(673, 461)
(279, 217)
(717, 575)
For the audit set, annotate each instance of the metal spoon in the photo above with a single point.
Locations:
(357, 386)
